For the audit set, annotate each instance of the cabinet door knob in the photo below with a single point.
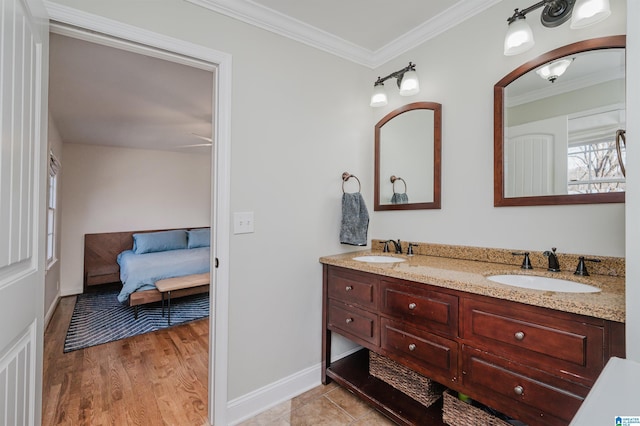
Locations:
(412, 306)
(518, 390)
(349, 320)
(348, 288)
(412, 347)
(519, 335)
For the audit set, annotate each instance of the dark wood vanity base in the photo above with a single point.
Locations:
(531, 363)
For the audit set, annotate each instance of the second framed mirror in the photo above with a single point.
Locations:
(407, 158)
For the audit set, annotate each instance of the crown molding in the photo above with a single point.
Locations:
(268, 19)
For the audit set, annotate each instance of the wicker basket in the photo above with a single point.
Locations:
(418, 387)
(459, 413)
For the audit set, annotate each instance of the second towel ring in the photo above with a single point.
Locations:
(393, 180)
(346, 176)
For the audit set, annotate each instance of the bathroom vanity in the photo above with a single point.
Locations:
(532, 355)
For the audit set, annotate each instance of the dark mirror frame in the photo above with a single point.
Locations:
(437, 135)
(498, 129)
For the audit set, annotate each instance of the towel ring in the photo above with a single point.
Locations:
(393, 180)
(346, 176)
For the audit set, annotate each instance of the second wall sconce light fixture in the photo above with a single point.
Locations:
(407, 80)
(583, 13)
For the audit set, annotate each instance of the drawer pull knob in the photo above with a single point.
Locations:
(519, 335)
(348, 288)
(412, 347)
(412, 306)
(349, 320)
(518, 390)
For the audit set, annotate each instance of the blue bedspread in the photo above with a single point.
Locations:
(141, 271)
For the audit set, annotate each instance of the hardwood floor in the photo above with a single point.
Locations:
(160, 378)
(156, 378)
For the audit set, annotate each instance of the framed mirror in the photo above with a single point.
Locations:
(407, 158)
(559, 136)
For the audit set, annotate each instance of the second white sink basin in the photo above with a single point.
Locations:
(544, 283)
(378, 259)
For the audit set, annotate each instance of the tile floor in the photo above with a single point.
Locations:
(329, 405)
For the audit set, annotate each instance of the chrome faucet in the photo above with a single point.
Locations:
(396, 244)
(554, 265)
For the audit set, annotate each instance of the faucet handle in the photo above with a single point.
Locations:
(385, 249)
(526, 262)
(410, 249)
(581, 269)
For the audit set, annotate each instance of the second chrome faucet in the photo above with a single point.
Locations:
(554, 265)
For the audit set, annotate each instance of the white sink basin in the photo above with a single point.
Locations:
(378, 259)
(544, 283)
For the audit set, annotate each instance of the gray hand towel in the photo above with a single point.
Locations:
(355, 220)
(399, 198)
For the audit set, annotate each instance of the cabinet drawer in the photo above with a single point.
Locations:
(545, 398)
(353, 287)
(431, 355)
(571, 348)
(355, 323)
(423, 308)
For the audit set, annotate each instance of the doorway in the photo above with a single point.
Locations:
(220, 63)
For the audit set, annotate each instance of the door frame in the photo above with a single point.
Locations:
(221, 64)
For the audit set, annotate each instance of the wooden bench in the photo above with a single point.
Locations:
(173, 288)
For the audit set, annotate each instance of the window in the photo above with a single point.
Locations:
(52, 205)
(593, 167)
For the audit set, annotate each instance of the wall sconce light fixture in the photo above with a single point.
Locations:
(583, 13)
(407, 80)
(554, 69)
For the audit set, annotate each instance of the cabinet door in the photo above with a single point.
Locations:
(433, 356)
(521, 392)
(572, 349)
(420, 305)
(353, 287)
(359, 325)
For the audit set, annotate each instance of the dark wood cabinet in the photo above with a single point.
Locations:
(534, 364)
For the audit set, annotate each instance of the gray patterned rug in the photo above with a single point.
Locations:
(99, 318)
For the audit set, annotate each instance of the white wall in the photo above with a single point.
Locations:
(52, 275)
(633, 183)
(109, 189)
(459, 69)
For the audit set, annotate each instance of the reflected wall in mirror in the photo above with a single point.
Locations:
(555, 135)
(407, 158)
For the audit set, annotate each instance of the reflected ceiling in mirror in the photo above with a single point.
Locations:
(555, 136)
(407, 158)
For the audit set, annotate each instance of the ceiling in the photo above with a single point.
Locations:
(108, 96)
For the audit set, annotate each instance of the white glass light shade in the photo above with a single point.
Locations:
(554, 70)
(410, 84)
(589, 12)
(519, 38)
(379, 96)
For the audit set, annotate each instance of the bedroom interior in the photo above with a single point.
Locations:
(127, 171)
(266, 296)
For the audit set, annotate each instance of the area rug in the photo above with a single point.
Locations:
(99, 318)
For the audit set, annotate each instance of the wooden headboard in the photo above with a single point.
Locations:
(100, 256)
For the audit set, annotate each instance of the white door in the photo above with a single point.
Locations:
(23, 156)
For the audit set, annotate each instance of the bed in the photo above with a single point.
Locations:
(139, 259)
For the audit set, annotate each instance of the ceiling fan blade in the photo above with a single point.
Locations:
(206, 138)
(195, 146)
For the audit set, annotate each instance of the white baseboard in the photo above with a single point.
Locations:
(254, 403)
(51, 310)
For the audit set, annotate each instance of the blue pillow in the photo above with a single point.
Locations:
(199, 238)
(150, 242)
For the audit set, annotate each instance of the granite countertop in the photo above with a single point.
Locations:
(470, 276)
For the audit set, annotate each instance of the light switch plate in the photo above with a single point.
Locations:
(243, 222)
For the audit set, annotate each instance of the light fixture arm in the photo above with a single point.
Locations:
(555, 13)
(397, 75)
